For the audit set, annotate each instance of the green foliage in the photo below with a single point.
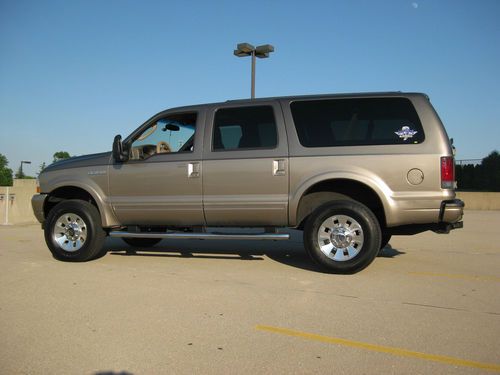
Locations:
(61, 155)
(482, 177)
(3, 161)
(5, 173)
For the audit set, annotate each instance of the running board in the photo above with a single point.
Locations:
(203, 236)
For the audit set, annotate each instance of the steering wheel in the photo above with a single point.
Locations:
(163, 147)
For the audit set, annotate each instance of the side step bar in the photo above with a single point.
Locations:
(203, 236)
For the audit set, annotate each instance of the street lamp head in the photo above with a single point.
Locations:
(25, 162)
(240, 53)
(264, 50)
(245, 47)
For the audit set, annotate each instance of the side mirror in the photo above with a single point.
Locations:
(119, 153)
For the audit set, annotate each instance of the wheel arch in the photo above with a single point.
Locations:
(317, 192)
(75, 191)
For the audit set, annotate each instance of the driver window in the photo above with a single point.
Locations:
(174, 133)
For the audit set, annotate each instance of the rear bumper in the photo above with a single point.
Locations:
(37, 203)
(450, 218)
(450, 214)
(451, 211)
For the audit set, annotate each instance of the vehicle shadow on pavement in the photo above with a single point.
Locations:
(389, 252)
(290, 253)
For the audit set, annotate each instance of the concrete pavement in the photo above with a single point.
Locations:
(257, 307)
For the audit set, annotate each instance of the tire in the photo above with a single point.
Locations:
(141, 242)
(385, 240)
(73, 231)
(349, 234)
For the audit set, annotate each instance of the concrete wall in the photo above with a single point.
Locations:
(15, 202)
(480, 201)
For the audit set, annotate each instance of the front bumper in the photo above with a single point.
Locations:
(37, 203)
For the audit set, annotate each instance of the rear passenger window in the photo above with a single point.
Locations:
(244, 128)
(353, 122)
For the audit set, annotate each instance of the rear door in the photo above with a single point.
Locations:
(245, 165)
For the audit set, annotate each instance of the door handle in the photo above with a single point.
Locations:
(279, 167)
(194, 170)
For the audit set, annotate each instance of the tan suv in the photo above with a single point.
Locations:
(349, 170)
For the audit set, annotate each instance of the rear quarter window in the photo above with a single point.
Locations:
(355, 122)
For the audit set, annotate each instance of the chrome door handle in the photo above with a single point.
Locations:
(194, 170)
(279, 167)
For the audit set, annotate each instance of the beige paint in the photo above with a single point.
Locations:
(15, 202)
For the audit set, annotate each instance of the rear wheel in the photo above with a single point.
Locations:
(73, 231)
(141, 242)
(342, 236)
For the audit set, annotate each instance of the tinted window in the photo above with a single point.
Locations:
(245, 127)
(350, 122)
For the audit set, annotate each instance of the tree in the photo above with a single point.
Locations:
(61, 155)
(481, 177)
(5, 173)
(491, 171)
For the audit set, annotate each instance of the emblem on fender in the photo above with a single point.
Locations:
(96, 173)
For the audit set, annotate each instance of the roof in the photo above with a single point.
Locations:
(302, 97)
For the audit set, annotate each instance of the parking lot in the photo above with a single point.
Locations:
(428, 304)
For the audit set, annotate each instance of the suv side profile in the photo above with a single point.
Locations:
(350, 170)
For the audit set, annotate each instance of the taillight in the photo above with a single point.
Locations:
(447, 172)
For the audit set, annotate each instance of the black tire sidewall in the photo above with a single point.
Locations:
(95, 233)
(371, 232)
(386, 238)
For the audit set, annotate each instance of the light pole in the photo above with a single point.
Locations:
(262, 52)
(21, 169)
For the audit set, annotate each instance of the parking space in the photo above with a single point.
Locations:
(428, 304)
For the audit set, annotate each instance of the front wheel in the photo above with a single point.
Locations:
(342, 236)
(73, 231)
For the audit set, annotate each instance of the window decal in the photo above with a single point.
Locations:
(406, 133)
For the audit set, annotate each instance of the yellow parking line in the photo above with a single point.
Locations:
(380, 348)
(456, 276)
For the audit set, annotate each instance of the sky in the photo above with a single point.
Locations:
(75, 73)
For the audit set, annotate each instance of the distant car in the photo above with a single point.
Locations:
(349, 170)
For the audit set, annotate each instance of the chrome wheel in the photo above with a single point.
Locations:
(70, 232)
(340, 238)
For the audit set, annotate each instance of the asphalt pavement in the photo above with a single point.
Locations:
(429, 304)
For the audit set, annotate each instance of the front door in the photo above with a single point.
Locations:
(161, 183)
(245, 166)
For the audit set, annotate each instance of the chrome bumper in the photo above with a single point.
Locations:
(37, 202)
